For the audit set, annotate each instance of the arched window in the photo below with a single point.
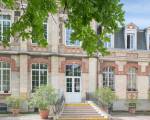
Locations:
(4, 77)
(131, 84)
(108, 77)
(39, 75)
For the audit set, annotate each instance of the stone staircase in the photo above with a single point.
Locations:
(81, 111)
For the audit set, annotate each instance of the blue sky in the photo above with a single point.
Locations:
(138, 12)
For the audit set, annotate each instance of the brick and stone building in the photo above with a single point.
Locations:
(24, 65)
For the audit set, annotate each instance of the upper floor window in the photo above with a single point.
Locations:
(45, 25)
(130, 40)
(131, 84)
(68, 40)
(4, 77)
(39, 75)
(149, 41)
(5, 23)
(108, 77)
(108, 44)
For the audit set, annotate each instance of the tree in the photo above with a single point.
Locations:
(107, 13)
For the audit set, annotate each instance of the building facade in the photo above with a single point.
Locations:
(24, 65)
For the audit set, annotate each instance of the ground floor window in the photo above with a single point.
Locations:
(108, 77)
(73, 76)
(39, 75)
(131, 84)
(4, 77)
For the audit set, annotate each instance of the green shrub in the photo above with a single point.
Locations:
(106, 96)
(43, 97)
(14, 102)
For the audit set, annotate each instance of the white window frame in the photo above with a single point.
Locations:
(132, 41)
(39, 73)
(1, 91)
(71, 45)
(131, 76)
(1, 21)
(73, 77)
(107, 73)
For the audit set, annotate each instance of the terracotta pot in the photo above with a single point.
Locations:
(132, 110)
(15, 111)
(44, 114)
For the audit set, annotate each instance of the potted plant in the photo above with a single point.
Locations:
(43, 98)
(15, 103)
(106, 97)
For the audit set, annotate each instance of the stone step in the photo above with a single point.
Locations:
(79, 114)
(77, 104)
(81, 111)
(82, 118)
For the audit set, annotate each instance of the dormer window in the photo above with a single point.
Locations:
(148, 41)
(110, 43)
(130, 40)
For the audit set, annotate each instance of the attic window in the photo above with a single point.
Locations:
(130, 41)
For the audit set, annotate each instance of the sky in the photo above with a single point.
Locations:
(138, 12)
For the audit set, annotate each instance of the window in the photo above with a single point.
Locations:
(5, 23)
(4, 77)
(149, 41)
(130, 41)
(73, 74)
(73, 70)
(39, 75)
(45, 32)
(131, 84)
(108, 77)
(68, 40)
(108, 44)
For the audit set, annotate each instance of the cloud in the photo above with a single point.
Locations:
(137, 11)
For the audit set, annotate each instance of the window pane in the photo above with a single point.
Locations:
(43, 66)
(4, 76)
(69, 70)
(68, 38)
(4, 26)
(69, 85)
(77, 85)
(131, 79)
(108, 77)
(77, 70)
(39, 75)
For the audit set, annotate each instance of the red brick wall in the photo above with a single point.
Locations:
(11, 61)
(39, 60)
(126, 68)
(83, 63)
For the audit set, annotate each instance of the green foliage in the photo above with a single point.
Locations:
(43, 97)
(108, 13)
(106, 96)
(14, 102)
(132, 102)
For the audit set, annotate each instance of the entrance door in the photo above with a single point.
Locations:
(73, 84)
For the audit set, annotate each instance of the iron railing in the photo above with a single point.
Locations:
(98, 102)
(58, 107)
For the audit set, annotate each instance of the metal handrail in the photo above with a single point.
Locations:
(91, 97)
(58, 107)
(98, 101)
